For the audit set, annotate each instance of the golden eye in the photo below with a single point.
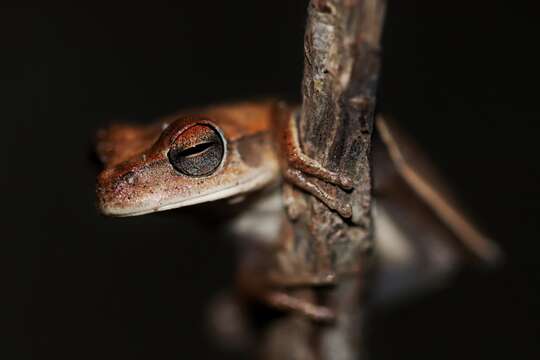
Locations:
(197, 151)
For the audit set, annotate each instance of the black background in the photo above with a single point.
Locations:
(460, 76)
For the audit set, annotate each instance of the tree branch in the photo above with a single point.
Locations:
(342, 46)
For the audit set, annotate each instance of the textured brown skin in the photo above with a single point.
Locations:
(138, 174)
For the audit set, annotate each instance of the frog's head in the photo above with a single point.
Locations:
(190, 160)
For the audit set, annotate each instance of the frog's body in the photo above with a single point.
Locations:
(231, 150)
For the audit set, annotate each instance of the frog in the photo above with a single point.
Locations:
(230, 151)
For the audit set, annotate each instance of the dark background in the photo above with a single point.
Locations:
(460, 76)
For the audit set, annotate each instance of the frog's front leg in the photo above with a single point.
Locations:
(298, 168)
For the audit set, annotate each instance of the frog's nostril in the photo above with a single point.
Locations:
(115, 191)
(114, 181)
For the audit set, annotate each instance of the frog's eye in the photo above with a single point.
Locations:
(197, 151)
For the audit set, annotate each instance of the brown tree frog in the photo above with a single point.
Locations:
(230, 150)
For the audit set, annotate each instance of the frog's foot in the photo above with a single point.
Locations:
(283, 301)
(299, 179)
(255, 285)
(299, 165)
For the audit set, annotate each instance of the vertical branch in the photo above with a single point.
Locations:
(342, 46)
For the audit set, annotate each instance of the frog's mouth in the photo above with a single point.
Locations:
(251, 184)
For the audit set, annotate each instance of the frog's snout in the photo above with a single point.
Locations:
(115, 192)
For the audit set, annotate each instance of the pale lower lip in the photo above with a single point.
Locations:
(251, 184)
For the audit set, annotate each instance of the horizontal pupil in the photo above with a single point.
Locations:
(199, 148)
(198, 152)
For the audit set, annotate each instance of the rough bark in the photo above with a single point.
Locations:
(342, 46)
